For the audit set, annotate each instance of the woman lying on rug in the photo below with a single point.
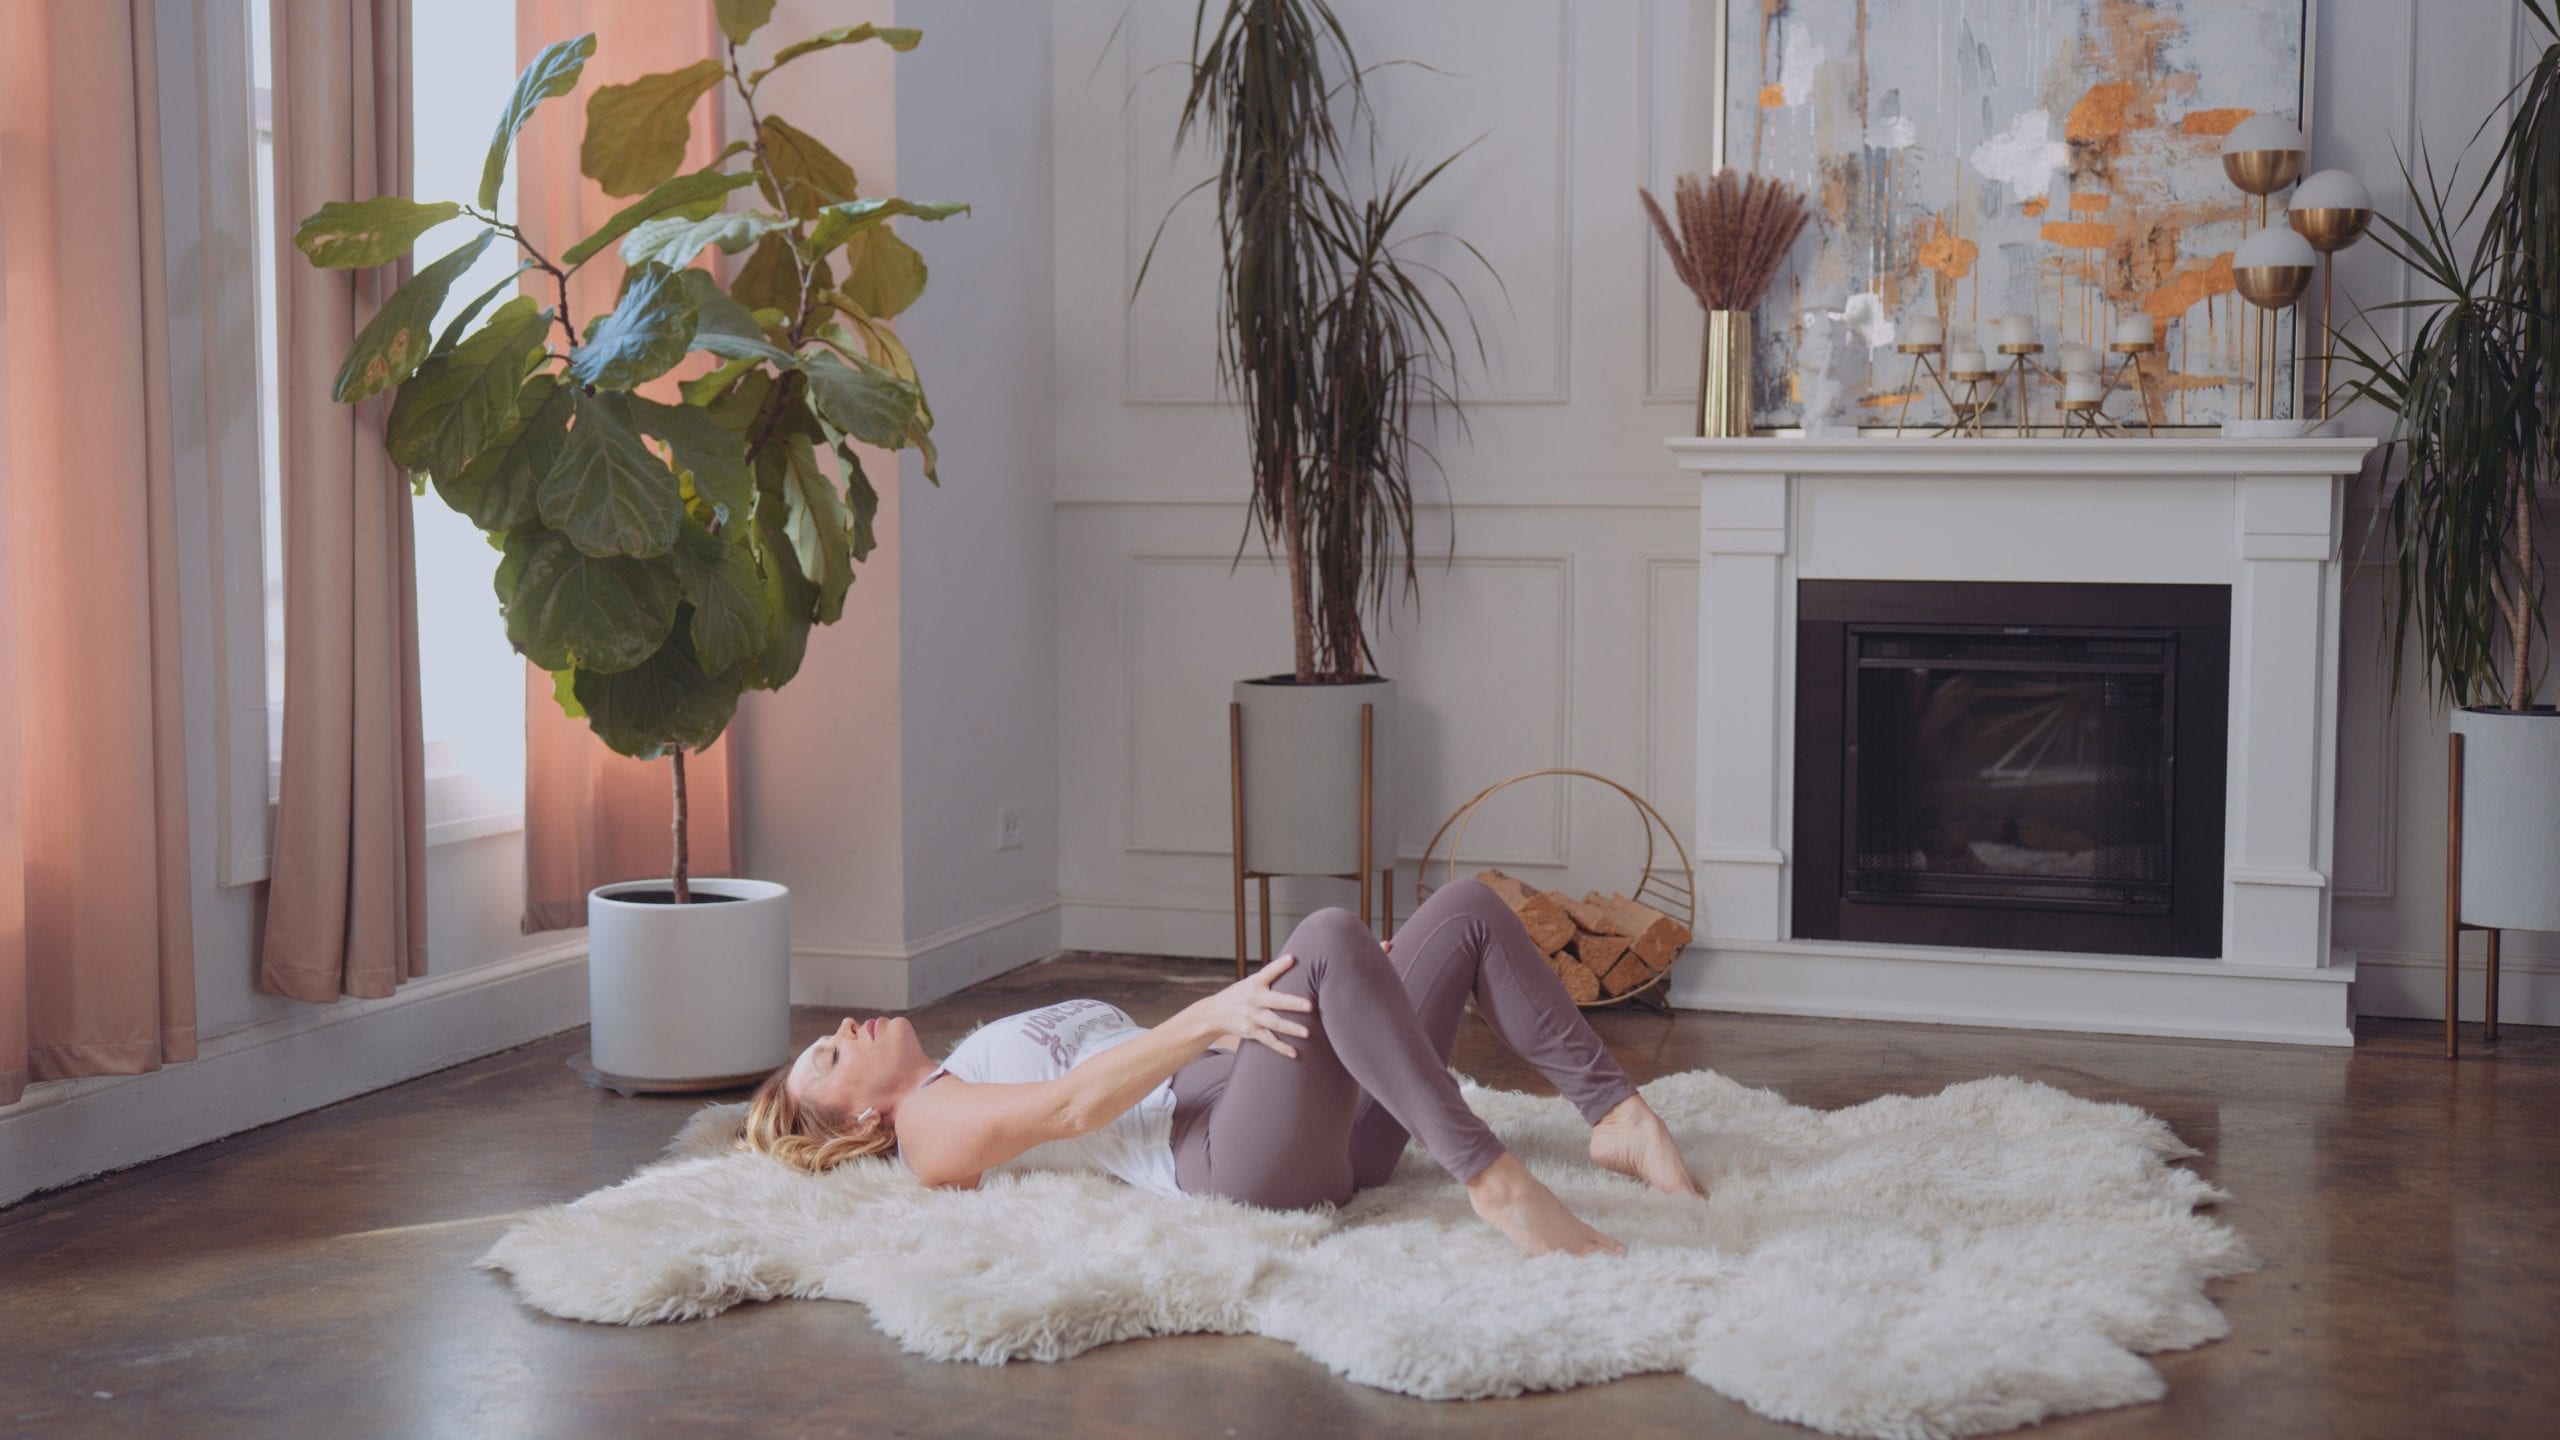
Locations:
(1189, 1108)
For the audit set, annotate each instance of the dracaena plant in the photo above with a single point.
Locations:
(2475, 401)
(658, 558)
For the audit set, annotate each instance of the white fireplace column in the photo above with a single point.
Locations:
(2262, 517)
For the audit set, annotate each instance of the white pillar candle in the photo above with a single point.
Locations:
(2079, 386)
(1924, 330)
(2134, 329)
(2079, 360)
(1966, 360)
(2015, 329)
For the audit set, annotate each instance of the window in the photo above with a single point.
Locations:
(470, 680)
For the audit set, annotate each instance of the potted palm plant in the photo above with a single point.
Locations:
(2476, 401)
(661, 556)
(1331, 338)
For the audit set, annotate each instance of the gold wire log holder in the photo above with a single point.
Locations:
(1673, 892)
(1383, 925)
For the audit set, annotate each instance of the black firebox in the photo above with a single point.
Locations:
(2008, 766)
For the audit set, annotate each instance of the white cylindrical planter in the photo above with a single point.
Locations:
(688, 997)
(2510, 818)
(1302, 775)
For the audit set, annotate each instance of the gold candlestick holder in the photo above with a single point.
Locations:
(1969, 394)
(1924, 361)
(2021, 361)
(2133, 351)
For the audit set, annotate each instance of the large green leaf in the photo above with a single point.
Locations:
(673, 240)
(459, 402)
(733, 617)
(818, 528)
(552, 74)
(388, 349)
(837, 223)
(864, 401)
(883, 274)
(608, 494)
(894, 37)
(716, 459)
(668, 701)
(861, 499)
(790, 593)
(636, 133)
(601, 613)
(461, 321)
(811, 175)
(351, 234)
(645, 334)
(769, 281)
(726, 328)
(687, 197)
(497, 488)
(741, 18)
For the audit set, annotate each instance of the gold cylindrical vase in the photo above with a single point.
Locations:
(1724, 374)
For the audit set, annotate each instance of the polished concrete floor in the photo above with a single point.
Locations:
(313, 1277)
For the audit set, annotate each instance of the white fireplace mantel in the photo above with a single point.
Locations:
(2263, 517)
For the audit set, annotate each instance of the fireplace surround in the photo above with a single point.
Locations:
(2253, 524)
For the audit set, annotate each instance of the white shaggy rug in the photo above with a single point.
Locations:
(1982, 1258)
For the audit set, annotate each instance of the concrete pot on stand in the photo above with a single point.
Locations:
(1308, 771)
(2502, 833)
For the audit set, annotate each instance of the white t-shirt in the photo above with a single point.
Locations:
(1045, 1044)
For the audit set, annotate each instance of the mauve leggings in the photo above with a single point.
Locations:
(1266, 1129)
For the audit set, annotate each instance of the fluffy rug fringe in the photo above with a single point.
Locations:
(1986, 1257)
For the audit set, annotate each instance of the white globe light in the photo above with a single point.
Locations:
(2332, 190)
(2263, 132)
(2274, 245)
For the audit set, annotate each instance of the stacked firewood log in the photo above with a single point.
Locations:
(1600, 946)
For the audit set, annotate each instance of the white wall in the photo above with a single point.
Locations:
(872, 784)
(978, 653)
(1565, 634)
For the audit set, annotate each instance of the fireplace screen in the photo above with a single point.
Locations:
(2011, 766)
(2029, 767)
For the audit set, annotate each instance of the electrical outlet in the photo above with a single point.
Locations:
(1009, 827)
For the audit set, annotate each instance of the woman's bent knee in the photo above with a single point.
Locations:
(1330, 932)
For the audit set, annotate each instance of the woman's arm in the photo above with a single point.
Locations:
(953, 1131)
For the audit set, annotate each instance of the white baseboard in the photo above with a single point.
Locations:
(902, 977)
(2030, 990)
(1194, 925)
(67, 1130)
(2411, 986)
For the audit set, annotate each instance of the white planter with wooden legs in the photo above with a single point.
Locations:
(2502, 837)
(688, 997)
(1298, 773)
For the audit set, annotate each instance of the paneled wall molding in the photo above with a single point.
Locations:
(1141, 834)
(1469, 491)
(1146, 142)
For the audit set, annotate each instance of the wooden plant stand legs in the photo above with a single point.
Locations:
(1382, 919)
(2454, 924)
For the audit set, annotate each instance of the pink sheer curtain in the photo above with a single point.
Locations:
(346, 896)
(592, 817)
(96, 966)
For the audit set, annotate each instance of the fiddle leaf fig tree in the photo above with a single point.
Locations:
(659, 556)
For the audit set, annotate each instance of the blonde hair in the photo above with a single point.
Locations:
(797, 1135)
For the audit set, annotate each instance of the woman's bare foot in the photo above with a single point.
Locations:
(1633, 1141)
(1510, 1199)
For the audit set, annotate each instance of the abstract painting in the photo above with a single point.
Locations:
(1977, 158)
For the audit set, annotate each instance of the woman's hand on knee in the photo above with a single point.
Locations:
(1250, 1009)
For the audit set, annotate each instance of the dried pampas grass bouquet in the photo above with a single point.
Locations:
(1734, 233)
